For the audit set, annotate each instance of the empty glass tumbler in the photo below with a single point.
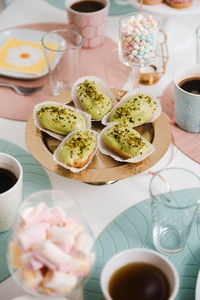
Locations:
(175, 198)
(62, 52)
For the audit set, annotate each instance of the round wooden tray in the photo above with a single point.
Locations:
(103, 169)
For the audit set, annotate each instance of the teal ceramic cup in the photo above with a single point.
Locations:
(187, 105)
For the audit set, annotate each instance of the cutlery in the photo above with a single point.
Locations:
(22, 90)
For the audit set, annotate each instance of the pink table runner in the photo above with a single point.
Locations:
(102, 62)
(187, 142)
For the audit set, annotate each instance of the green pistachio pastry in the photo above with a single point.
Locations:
(60, 119)
(135, 110)
(126, 141)
(93, 100)
(76, 151)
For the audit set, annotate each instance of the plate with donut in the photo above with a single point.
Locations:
(169, 7)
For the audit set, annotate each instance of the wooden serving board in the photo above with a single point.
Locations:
(103, 169)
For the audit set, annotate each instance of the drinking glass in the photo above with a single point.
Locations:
(62, 52)
(175, 198)
(152, 73)
(51, 248)
(138, 34)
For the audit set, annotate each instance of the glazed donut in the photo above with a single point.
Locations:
(179, 3)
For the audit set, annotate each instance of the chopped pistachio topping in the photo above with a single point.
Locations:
(135, 110)
(125, 139)
(78, 147)
(93, 100)
(60, 119)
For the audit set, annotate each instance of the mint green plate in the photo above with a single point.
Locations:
(34, 179)
(132, 229)
(115, 9)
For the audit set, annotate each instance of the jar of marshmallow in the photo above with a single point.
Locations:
(51, 249)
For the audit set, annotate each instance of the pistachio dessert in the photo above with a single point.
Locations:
(136, 110)
(76, 151)
(93, 100)
(59, 119)
(125, 140)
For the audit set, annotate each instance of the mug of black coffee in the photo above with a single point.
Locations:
(89, 18)
(187, 98)
(11, 177)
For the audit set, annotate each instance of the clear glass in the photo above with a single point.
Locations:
(137, 44)
(51, 248)
(175, 198)
(152, 73)
(62, 52)
(198, 45)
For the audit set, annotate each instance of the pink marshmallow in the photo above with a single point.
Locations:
(84, 244)
(43, 260)
(31, 235)
(58, 215)
(48, 251)
(30, 262)
(39, 213)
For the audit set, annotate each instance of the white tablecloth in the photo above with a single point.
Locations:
(101, 204)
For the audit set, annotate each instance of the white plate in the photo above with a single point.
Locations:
(26, 35)
(165, 10)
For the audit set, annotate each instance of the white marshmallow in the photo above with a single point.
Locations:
(61, 235)
(52, 253)
(84, 244)
(60, 281)
(31, 235)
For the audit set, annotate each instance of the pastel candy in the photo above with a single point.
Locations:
(81, 266)
(40, 213)
(32, 278)
(136, 34)
(59, 281)
(26, 212)
(31, 235)
(30, 262)
(52, 253)
(84, 244)
(15, 254)
(61, 236)
(57, 216)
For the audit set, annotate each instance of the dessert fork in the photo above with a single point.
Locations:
(22, 90)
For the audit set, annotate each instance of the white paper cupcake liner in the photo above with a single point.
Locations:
(155, 115)
(102, 84)
(105, 150)
(60, 137)
(74, 170)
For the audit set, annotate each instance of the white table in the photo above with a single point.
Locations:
(101, 204)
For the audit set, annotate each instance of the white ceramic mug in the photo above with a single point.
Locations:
(187, 105)
(139, 255)
(10, 199)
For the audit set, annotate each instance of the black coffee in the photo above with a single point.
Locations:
(191, 85)
(141, 281)
(87, 6)
(7, 180)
